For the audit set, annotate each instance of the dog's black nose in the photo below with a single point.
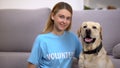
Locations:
(88, 31)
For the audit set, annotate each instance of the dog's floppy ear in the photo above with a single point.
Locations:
(78, 32)
(101, 33)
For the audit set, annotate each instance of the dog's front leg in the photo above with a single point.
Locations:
(81, 61)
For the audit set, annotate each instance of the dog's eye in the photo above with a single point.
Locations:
(84, 26)
(94, 27)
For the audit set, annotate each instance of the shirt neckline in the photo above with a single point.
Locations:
(57, 36)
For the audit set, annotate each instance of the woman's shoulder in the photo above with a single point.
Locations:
(71, 33)
(42, 36)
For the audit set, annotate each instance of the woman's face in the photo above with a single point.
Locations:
(62, 20)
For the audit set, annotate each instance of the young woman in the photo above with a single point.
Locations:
(56, 46)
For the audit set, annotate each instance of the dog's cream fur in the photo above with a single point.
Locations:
(96, 60)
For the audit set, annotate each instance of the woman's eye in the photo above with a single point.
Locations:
(61, 16)
(68, 18)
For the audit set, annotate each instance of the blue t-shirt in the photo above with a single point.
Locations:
(53, 51)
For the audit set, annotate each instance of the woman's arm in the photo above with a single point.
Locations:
(75, 62)
(30, 65)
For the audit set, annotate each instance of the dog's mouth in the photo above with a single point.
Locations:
(89, 40)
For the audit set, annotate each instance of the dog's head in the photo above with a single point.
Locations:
(90, 32)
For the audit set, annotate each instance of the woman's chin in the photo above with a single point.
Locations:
(62, 29)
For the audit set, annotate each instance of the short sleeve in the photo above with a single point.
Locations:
(36, 53)
(78, 47)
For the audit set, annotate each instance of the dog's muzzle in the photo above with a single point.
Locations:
(88, 39)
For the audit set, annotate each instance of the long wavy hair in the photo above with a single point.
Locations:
(50, 23)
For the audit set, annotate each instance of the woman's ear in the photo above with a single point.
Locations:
(52, 16)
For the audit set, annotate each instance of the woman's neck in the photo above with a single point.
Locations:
(57, 32)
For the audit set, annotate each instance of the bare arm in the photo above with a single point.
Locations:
(75, 63)
(30, 65)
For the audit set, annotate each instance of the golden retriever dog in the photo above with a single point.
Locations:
(94, 54)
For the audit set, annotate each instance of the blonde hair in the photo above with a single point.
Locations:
(50, 23)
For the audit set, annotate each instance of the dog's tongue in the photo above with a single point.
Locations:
(88, 39)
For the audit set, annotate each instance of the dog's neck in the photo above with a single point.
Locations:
(95, 51)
